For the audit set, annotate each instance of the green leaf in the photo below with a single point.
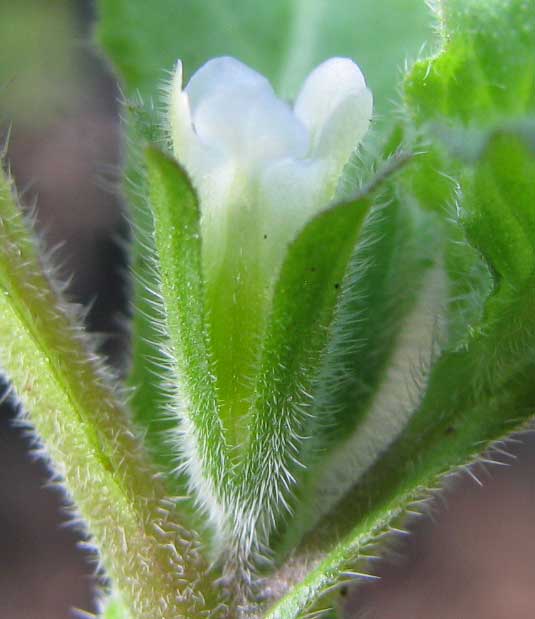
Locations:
(400, 244)
(71, 401)
(498, 214)
(283, 39)
(486, 69)
(483, 77)
(439, 439)
(500, 218)
(432, 181)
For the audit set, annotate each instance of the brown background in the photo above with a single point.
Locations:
(473, 557)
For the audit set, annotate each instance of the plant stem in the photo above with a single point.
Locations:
(71, 402)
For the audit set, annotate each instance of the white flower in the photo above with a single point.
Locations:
(261, 167)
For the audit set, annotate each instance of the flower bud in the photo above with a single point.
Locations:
(261, 169)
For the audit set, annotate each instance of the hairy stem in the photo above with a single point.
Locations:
(71, 402)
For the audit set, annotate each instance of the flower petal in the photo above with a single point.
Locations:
(252, 128)
(224, 75)
(290, 193)
(336, 107)
(236, 111)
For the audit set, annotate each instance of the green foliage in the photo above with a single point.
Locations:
(283, 39)
(478, 388)
(501, 195)
(485, 70)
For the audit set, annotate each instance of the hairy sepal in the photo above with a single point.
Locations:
(149, 374)
(297, 335)
(386, 329)
(199, 433)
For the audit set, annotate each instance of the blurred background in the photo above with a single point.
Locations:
(473, 557)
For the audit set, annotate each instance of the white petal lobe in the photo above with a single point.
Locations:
(335, 104)
(224, 75)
